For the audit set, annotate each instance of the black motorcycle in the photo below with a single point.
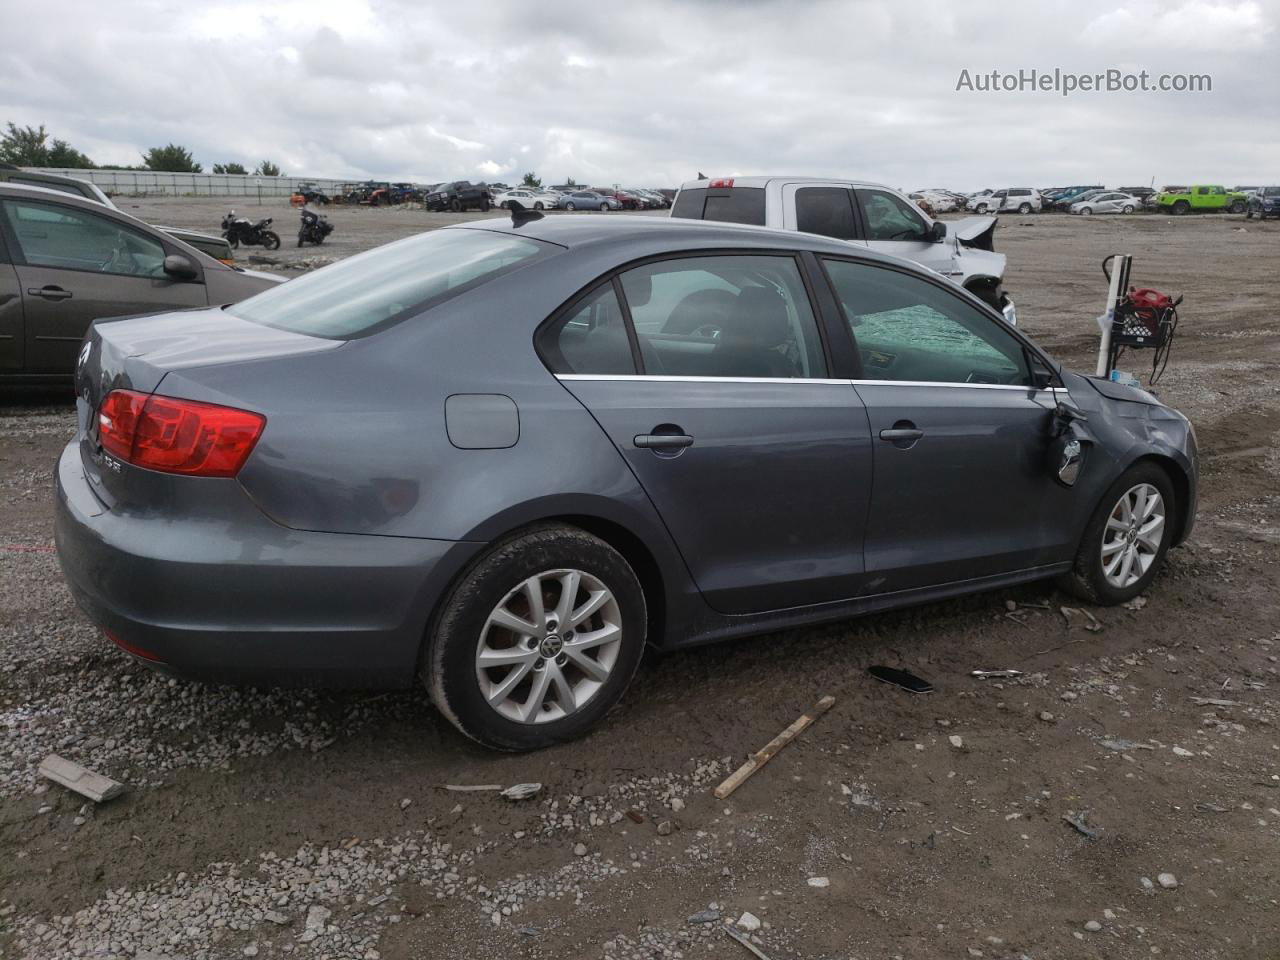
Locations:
(238, 230)
(314, 228)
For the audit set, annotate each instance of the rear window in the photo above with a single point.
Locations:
(382, 286)
(733, 205)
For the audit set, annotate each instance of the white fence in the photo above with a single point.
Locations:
(141, 183)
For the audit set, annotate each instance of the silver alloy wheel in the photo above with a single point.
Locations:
(549, 646)
(1132, 537)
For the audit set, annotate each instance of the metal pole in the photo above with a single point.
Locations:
(1119, 270)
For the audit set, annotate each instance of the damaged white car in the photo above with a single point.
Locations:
(867, 214)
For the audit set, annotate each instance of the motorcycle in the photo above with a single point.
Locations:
(314, 228)
(238, 230)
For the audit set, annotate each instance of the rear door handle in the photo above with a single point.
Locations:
(49, 293)
(901, 433)
(663, 441)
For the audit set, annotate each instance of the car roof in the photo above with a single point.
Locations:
(671, 233)
(764, 181)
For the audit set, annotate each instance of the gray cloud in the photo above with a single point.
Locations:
(653, 91)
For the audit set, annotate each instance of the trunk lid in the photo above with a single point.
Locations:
(136, 353)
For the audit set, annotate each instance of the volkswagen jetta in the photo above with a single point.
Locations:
(502, 456)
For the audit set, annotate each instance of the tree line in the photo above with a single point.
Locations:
(34, 147)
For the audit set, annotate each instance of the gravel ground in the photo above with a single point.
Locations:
(319, 824)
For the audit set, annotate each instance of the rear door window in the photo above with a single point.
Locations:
(827, 211)
(725, 204)
(381, 286)
(724, 316)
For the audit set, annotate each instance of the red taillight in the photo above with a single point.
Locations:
(177, 436)
(718, 184)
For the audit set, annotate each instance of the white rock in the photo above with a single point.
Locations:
(677, 804)
(819, 882)
(580, 850)
(1168, 881)
(956, 741)
(749, 922)
(1093, 926)
(1181, 752)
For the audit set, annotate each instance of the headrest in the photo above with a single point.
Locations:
(760, 317)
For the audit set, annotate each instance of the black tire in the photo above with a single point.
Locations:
(1087, 580)
(570, 207)
(455, 205)
(448, 666)
(1248, 214)
(486, 205)
(1127, 208)
(990, 293)
(270, 240)
(1238, 207)
(537, 205)
(505, 204)
(1024, 209)
(1181, 207)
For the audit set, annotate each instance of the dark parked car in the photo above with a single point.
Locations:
(1264, 203)
(458, 196)
(65, 261)
(502, 457)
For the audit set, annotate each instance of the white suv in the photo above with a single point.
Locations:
(1013, 200)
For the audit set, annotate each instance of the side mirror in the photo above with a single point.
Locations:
(179, 267)
(938, 232)
(1042, 376)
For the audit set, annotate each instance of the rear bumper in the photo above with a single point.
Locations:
(248, 601)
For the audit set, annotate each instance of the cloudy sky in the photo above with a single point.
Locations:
(650, 92)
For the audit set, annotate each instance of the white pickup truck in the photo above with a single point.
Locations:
(867, 214)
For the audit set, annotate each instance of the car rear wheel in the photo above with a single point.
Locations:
(537, 205)
(1024, 208)
(537, 641)
(1126, 539)
(1086, 211)
(1128, 208)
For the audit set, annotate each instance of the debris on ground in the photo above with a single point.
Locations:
(901, 678)
(476, 788)
(770, 749)
(1214, 702)
(1124, 746)
(749, 922)
(1079, 822)
(82, 780)
(705, 916)
(1168, 881)
(521, 791)
(995, 674)
(734, 934)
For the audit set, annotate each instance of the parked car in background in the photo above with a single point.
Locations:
(1264, 203)
(588, 200)
(675, 424)
(940, 201)
(625, 201)
(459, 195)
(1019, 200)
(861, 213)
(55, 181)
(1063, 197)
(658, 201)
(528, 198)
(66, 261)
(1106, 202)
(1201, 198)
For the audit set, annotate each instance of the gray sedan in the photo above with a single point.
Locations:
(588, 200)
(502, 457)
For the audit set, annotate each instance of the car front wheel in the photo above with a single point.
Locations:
(537, 641)
(1126, 539)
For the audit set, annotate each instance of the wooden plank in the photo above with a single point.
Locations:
(80, 779)
(770, 749)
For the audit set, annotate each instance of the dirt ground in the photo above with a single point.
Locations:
(304, 824)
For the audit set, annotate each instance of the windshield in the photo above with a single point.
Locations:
(372, 289)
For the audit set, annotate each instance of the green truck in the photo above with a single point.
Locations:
(1202, 198)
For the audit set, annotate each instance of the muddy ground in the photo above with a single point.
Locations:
(302, 824)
